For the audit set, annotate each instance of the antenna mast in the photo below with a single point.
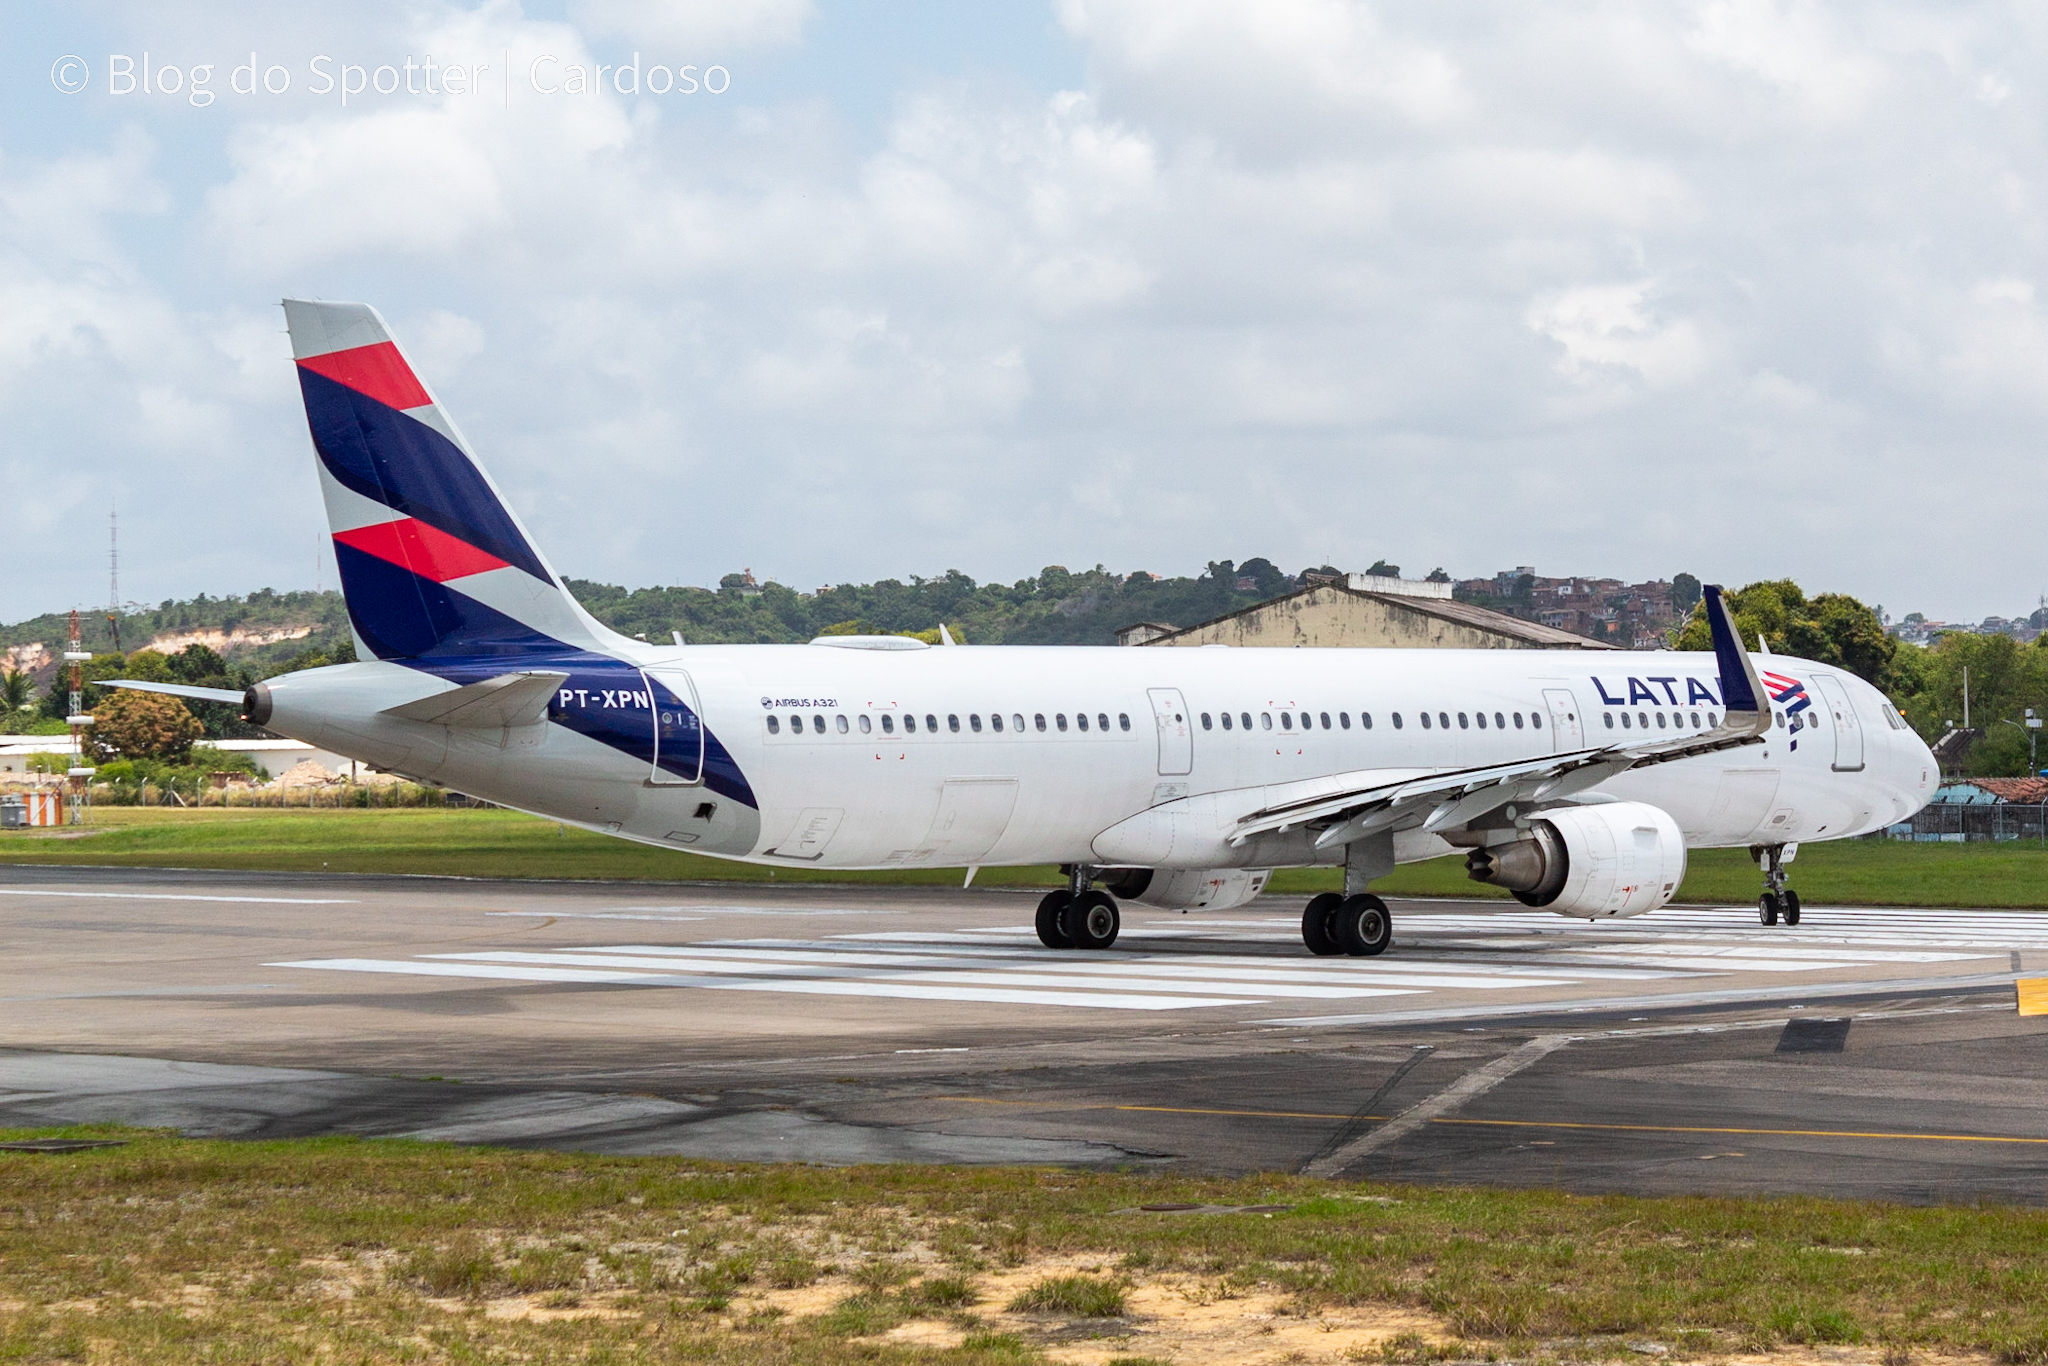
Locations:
(114, 572)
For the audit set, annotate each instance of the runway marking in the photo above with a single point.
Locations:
(1730, 1129)
(1152, 1109)
(185, 896)
(1473, 1084)
(896, 990)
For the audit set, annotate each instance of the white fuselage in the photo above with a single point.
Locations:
(862, 758)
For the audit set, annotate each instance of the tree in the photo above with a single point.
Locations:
(143, 725)
(1381, 569)
(17, 691)
(1437, 575)
(1685, 592)
(1833, 628)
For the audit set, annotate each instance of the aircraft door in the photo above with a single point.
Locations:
(678, 728)
(1176, 736)
(1566, 734)
(1848, 728)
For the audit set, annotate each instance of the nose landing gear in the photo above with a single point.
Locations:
(1778, 901)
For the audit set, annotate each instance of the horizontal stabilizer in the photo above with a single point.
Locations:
(514, 699)
(177, 690)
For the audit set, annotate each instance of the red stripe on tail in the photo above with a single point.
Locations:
(377, 371)
(426, 551)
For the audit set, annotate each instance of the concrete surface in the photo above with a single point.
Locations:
(1867, 1052)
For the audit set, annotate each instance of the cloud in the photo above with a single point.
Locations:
(1311, 279)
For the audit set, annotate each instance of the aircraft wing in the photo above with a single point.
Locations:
(512, 699)
(175, 690)
(1451, 799)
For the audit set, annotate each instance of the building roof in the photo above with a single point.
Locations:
(1444, 609)
(2024, 791)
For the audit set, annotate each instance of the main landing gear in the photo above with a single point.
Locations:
(1078, 916)
(1778, 900)
(1360, 926)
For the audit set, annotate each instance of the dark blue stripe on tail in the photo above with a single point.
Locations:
(401, 616)
(403, 463)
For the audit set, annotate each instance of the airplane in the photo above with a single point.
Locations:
(1178, 778)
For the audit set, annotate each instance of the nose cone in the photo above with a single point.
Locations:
(1914, 770)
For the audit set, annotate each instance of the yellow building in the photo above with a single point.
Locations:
(1366, 611)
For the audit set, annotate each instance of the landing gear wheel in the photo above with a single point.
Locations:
(1315, 925)
(1791, 900)
(1362, 925)
(1052, 929)
(1091, 920)
(1767, 908)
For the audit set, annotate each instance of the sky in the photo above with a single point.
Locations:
(1738, 288)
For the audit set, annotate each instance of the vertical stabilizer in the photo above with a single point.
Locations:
(433, 564)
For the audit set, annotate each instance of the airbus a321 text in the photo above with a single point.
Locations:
(1179, 778)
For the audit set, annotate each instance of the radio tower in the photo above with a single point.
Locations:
(75, 654)
(114, 573)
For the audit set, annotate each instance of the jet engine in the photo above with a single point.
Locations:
(1615, 859)
(1188, 889)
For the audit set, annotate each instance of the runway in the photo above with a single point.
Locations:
(1865, 1052)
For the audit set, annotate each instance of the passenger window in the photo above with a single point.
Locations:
(1536, 720)
(1245, 719)
(1606, 716)
(1326, 720)
(867, 724)
(1344, 719)
(1481, 716)
(888, 724)
(1425, 720)
(1660, 720)
(1498, 723)
(1102, 721)
(774, 726)
(952, 723)
(1695, 718)
(1397, 720)
(931, 723)
(840, 721)
(1711, 722)
(995, 720)
(1306, 723)
(1226, 720)
(1443, 719)
(1365, 719)
(1017, 722)
(1060, 720)
(910, 724)
(1123, 720)
(1518, 720)
(1206, 723)
(1038, 718)
(974, 722)
(1643, 720)
(1463, 724)
(1081, 719)
(818, 722)
(1781, 720)
(1287, 720)
(1266, 720)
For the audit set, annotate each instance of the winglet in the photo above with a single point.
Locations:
(1741, 689)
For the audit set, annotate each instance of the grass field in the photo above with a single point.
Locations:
(170, 1250)
(504, 844)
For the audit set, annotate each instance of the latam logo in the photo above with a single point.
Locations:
(1639, 690)
(1790, 694)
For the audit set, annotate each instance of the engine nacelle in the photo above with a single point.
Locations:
(1616, 859)
(1189, 889)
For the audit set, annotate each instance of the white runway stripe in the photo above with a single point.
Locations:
(895, 990)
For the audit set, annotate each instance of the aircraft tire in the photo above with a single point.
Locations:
(1052, 928)
(1363, 925)
(1791, 907)
(1767, 908)
(1091, 920)
(1315, 925)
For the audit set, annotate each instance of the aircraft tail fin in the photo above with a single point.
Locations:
(434, 565)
